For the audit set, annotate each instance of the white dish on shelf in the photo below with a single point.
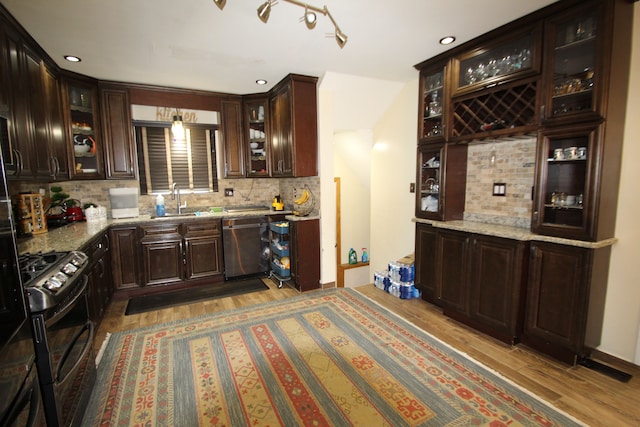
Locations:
(89, 170)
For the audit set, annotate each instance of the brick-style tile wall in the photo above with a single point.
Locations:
(515, 166)
(250, 191)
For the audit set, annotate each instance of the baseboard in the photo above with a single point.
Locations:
(618, 363)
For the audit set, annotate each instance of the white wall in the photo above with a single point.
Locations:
(327, 188)
(621, 332)
(393, 169)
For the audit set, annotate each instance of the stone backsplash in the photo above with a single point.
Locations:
(250, 191)
(514, 166)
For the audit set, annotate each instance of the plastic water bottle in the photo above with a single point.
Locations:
(160, 205)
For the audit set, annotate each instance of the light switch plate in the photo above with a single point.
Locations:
(228, 192)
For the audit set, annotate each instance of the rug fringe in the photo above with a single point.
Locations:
(103, 347)
(482, 365)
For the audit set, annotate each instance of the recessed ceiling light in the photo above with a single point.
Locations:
(447, 40)
(261, 82)
(72, 58)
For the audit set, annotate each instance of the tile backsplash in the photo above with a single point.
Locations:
(249, 191)
(515, 166)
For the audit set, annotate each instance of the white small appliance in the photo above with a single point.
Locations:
(124, 202)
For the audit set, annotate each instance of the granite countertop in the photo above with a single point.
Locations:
(514, 233)
(73, 236)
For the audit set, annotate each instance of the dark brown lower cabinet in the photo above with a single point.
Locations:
(305, 254)
(99, 286)
(176, 252)
(565, 299)
(496, 286)
(202, 249)
(124, 257)
(452, 269)
(425, 255)
(162, 260)
(476, 279)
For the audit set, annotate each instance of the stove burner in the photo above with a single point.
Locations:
(32, 265)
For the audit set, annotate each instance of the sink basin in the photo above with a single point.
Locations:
(173, 215)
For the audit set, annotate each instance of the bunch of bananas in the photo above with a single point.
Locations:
(303, 197)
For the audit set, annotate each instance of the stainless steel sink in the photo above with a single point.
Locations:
(173, 215)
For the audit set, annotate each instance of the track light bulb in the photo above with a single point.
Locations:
(264, 10)
(310, 18)
(220, 3)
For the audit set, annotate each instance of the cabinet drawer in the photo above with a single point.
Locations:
(159, 230)
(97, 247)
(202, 227)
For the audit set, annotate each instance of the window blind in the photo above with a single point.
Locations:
(163, 160)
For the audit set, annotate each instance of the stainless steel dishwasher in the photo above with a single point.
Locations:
(246, 246)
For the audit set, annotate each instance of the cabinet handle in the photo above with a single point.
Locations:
(542, 112)
(535, 216)
(19, 163)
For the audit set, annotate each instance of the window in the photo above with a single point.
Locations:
(163, 160)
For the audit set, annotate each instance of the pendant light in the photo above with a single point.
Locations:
(177, 127)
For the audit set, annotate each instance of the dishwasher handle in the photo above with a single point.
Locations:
(239, 226)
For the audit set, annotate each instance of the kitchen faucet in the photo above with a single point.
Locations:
(175, 195)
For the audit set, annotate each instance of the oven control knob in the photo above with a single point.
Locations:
(79, 259)
(69, 269)
(61, 277)
(53, 284)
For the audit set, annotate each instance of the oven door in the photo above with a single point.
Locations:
(66, 363)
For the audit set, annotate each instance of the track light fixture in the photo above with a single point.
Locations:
(310, 18)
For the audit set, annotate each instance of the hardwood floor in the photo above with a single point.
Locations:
(590, 396)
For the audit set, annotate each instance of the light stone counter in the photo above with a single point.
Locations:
(73, 236)
(514, 233)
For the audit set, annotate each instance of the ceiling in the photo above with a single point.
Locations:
(193, 44)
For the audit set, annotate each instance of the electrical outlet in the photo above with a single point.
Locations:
(228, 192)
(499, 188)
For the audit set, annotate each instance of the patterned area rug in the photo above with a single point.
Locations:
(329, 358)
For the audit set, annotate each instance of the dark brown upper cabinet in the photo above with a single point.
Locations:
(586, 68)
(120, 150)
(433, 103)
(441, 177)
(84, 136)
(294, 127)
(232, 139)
(31, 93)
(256, 119)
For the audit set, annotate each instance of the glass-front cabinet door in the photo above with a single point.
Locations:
(432, 111)
(86, 151)
(566, 183)
(441, 181)
(514, 57)
(573, 72)
(256, 117)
